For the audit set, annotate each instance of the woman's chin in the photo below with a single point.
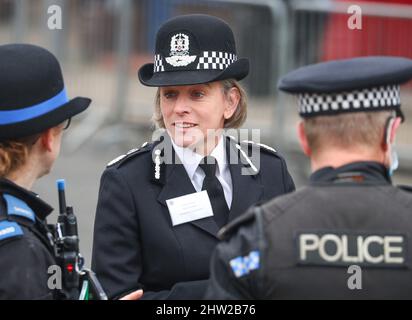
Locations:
(185, 142)
(187, 138)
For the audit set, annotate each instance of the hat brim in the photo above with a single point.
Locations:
(39, 124)
(237, 70)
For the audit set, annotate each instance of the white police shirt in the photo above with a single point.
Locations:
(191, 161)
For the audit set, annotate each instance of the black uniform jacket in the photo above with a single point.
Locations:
(135, 244)
(26, 252)
(345, 236)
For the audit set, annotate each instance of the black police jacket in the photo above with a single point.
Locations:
(26, 252)
(345, 236)
(135, 244)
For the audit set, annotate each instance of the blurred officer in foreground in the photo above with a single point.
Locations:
(147, 235)
(34, 112)
(301, 246)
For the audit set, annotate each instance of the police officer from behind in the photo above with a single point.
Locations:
(34, 111)
(146, 235)
(300, 246)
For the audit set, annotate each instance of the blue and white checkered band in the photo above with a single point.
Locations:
(383, 97)
(210, 60)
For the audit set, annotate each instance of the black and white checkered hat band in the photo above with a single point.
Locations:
(158, 64)
(213, 60)
(210, 60)
(311, 104)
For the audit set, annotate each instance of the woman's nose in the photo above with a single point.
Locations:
(182, 105)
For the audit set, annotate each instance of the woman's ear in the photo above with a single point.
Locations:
(303, 140)
(46, 139)
(232, 99)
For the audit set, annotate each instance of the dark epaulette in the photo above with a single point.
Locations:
(120, 160)
(406, 188)
(249, 144)
(234, 225)
(261, 146)
(246, 147)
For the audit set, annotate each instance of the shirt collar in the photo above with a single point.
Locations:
(220, 155)
(191, 159)
(369, 171)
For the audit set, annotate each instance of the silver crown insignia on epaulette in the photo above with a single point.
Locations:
(116, 160)
(125, 155)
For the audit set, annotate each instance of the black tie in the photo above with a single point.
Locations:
(215, 191)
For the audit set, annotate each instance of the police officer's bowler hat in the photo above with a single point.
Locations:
(193, 49)
(32, 93)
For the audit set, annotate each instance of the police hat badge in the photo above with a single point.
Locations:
(179, 51)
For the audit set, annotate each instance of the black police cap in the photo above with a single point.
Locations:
(193, 49)
(350, 85)
(32, 95)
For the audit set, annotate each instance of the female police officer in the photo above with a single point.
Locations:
(34, 111)
(146, 234)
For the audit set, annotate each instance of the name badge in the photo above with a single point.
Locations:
(189, 207)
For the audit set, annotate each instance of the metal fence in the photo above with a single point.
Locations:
(103, 43)
(319, 31)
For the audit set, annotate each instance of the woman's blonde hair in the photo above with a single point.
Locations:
(234, 122)
(14, 153)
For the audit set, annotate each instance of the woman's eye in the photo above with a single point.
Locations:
(198, 94)
(169, 95)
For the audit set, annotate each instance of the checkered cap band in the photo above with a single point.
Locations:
(158, 64)
(382, 97)
(214, 60)
(210, 60)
